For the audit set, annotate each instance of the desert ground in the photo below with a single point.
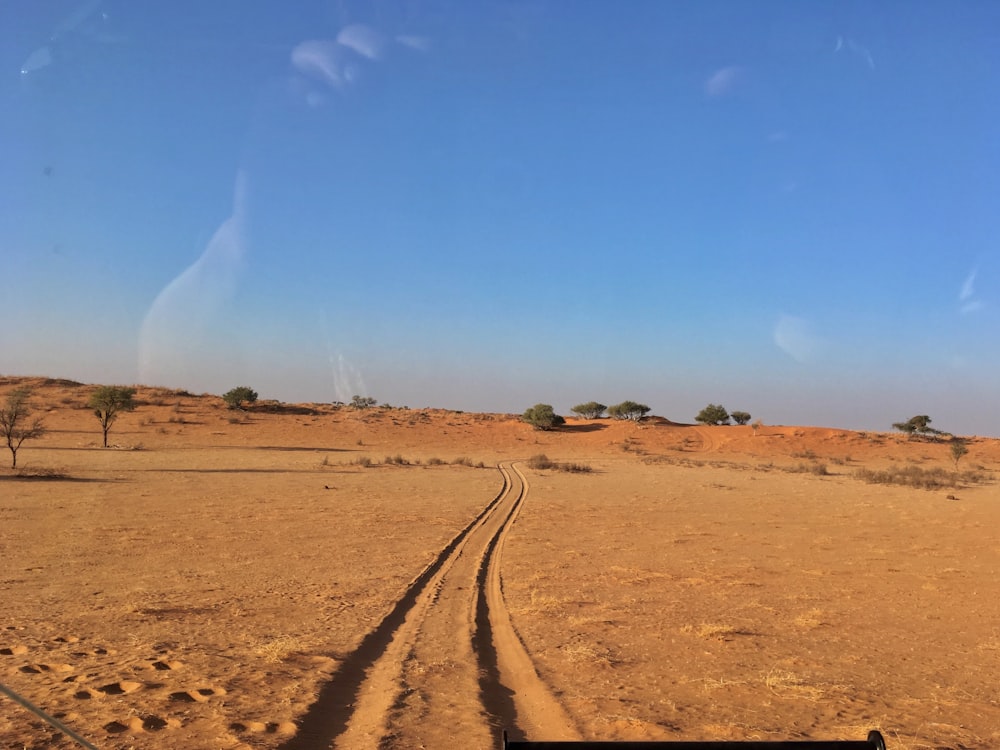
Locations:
(303, 576)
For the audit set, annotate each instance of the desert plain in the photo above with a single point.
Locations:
(302, 576)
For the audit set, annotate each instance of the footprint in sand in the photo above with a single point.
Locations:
(259, 727)
(41, 668)
(120, 688)
(14, 651)
(150, 723)
(163, 665)
(199, 695)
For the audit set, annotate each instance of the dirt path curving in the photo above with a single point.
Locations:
(445, 668)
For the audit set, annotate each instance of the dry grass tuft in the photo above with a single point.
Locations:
(713, 631)
(541, 462)
(924, 479)
(277, 649)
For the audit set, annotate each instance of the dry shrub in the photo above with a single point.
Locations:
(277, 649)
(815, 468)
(541, 462)
(462, 461)
(435, 461)
(396, 460)
(924, 479)
(364, 461)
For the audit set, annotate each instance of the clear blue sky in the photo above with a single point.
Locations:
(790, 208)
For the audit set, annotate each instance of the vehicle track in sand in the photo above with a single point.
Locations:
(445, 667)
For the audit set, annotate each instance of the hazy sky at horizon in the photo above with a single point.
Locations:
(787, 208)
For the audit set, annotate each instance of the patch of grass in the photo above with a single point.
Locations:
(435, 461)
(462, 461)
(40, 472)
(923, 479)
(396, 460)
(364, 461)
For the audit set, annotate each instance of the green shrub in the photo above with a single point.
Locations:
(542, 417)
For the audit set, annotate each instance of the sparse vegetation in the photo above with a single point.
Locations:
(16, 422)
(241, 394)
(958, 449)
(362, 402)
(740, 417)
(589, 410)
(541, 462)
(542, 417)
(815, 468)
(628, 410)
(713, 414)
(108, 402)
(924, 479)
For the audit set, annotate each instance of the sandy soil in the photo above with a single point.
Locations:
(225, 580)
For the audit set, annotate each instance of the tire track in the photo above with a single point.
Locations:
(445, 668)
(537, 714)
(328, 716)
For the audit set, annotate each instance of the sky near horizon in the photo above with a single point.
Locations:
(788, 208)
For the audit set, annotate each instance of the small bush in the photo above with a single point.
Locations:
(541, 462)
(364, 461)
(462, 461)
(435, 461)
(235, 397)
(542, 417)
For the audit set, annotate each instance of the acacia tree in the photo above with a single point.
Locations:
(16, 423)
(628, 410)
(542, 417)
(108, 402)
(713, 414)
(740, 417)
(589, 410)
(235, 397)
(918, 425)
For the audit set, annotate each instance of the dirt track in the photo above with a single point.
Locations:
(445, 668)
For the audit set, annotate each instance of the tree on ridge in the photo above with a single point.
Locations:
(235, 397)
(713, 414)
(589, 410)
(542, 417)
(628, 410)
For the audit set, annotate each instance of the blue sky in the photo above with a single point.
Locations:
(787, 208)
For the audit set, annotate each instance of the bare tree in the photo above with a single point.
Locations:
(16, 423)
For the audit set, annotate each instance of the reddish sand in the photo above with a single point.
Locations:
(223, 580)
